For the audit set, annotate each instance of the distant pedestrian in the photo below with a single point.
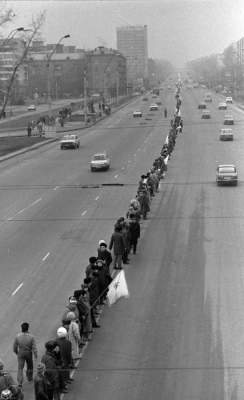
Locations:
(65, 354)
(74, 335)
(41, 383)
(25, 346)
(49, 359)
(118, 246)
(29, 129)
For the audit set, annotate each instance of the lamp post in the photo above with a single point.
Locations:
(12, 34)
(49, 56)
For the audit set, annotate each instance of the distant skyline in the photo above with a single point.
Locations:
(178, 30)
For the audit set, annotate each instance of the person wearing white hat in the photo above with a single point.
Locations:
(65, 351)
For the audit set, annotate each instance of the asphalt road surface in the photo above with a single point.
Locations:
(179, 335)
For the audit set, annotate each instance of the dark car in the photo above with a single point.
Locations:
(202, 106)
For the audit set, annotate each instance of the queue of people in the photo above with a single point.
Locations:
(82, 313)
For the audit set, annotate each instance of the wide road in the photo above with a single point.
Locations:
(179, 335)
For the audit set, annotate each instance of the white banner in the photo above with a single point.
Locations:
(117, 288)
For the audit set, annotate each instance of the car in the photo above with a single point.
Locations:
(70, 142)
(206, 114)
(208, 98)
(153, 107)
(145, 99)
(32, 107)
(226, 174)
(159, 102)
(229, 100)
(100, 161)
(202, 106)
(228, 120)
(222, 106)
(137, 114)
(226, 134)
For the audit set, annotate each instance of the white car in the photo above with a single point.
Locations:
(226, 174)
(153, 107)
(222, 106)
(32, 107)
(70, 142)
(100, 161)
(137, 114)
(228, 120)
(229, 100)
(226, 134)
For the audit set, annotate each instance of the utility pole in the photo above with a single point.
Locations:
(85, 96)
(117, 88)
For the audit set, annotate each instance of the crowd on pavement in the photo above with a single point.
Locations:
(53, 374)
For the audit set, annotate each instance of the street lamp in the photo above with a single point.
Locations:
(12, 34)
(49, 56)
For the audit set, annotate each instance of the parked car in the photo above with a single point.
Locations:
(70, 142)
(206, 114)
(32, 107)
(226, 174)
(153, 107)
(100, 161)
(229, 100)
(202, 106)
(222, 106)
(226, 134)
(137, 114)
(228, 120)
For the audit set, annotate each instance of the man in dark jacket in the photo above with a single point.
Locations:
(118, 245)
(135, 229)
(65, 355)
(49, 359)
(41, 383)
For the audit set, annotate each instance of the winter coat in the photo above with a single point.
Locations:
(84, 302)
(74, 337)
(105, 256)
(134, 230)
(52, 372)
(117, 243)
(41, 387)
(65, 351)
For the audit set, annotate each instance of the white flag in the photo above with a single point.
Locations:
(166, 160)
(117, 288)
(167, 139)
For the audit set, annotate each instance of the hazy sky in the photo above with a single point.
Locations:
(178, 30)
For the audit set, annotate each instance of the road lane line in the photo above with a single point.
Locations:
(17, 289)
(56, 187)
(97, 198)
(32, 204)
(84, 212)
(46, 256)
(116, 176)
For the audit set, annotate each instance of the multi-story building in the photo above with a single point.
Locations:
(65, 71)
(106, 72)
(11, 51)
(132, 43)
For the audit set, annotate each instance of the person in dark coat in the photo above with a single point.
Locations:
(118, 246)
(90, 266)
(103, 253)
(49, 359)
(41, 384)
(134, 228)
(94, 297)
(65, 354)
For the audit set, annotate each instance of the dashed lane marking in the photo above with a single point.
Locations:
(17, 289)
(84, 212)
(46, 256)
(116, 176)
(97, 198)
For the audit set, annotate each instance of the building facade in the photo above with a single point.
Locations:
(132, 43)
(106, 72)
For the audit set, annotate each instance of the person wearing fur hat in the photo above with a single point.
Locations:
(65, 354)
(90, 266)
(74, 335)
(41, 383)
(50, 360)
(104, 254)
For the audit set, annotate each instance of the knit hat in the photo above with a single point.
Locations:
(40, 367)
(61, 332)
(92, 260)
(102, 243)
(50, 345)
(70, 316)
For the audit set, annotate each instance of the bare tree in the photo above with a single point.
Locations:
(32, 33)
(6, 14)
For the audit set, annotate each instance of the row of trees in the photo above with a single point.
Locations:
(27, 35)
(220, 70)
